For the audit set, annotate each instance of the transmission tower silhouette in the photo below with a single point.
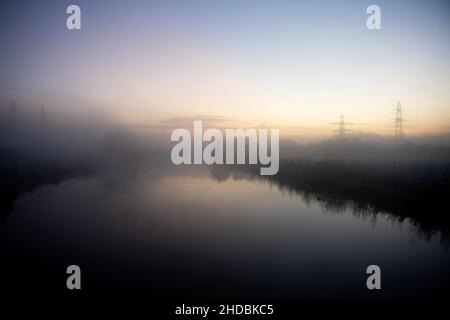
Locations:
(399, 121)
(12, 106)
(341, 130)
(42, 112)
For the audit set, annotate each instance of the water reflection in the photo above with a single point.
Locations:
(170, 231)
(421, 202)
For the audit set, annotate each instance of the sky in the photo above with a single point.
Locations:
(293, 65)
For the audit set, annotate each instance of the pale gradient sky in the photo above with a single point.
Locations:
(290, 64)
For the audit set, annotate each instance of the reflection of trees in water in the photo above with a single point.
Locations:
(413, 192)
(15, 182)
(117, 162)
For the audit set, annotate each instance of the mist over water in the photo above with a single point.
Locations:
(175, 232)
(94, 95)
(107, 197)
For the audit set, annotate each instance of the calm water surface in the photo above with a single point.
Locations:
(170, 232)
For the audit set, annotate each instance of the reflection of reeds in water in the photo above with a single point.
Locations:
(415, 191)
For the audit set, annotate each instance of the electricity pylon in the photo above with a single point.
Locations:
(341, 130)
(12, 106)
(399, 121)
(42, 112)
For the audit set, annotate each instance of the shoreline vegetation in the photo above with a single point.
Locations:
(405, 181)
(418, 193)
(15, 181)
